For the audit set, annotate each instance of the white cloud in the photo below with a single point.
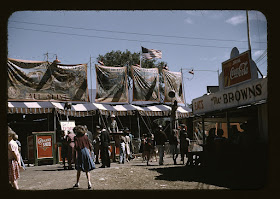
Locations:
(235, 20)
(188, 20)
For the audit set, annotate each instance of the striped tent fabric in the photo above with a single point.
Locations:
(123, 110)
(77, 110)
(89, 109)
(156, 110)
(29, 107)
(86, 109)
(104, 109)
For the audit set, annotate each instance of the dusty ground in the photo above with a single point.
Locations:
(134, 175)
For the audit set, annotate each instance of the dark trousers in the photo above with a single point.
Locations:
(104, 153)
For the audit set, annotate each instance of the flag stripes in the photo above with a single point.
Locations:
(151, 53)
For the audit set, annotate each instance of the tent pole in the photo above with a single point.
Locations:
(138, 123)
(203, 130)
(184, 96)
(54, 123)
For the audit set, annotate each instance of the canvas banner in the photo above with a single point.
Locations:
(145, 84)
(34, 80)
(111, 84)
(173, 82)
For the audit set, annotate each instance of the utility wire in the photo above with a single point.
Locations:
(134, 33)
(261, 56)
(134, 40)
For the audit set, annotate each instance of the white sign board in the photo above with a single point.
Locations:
(244, 94)
(67, 125)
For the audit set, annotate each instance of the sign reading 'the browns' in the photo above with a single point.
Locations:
(237, 70)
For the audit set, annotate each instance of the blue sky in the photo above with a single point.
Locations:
(189, 39)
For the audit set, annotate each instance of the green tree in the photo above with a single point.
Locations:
(127, 58)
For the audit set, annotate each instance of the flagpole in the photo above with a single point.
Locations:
(249, 42)
(183, 86)
(90, 77)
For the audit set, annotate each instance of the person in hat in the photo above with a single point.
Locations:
(96, 144)
(160, 139)
(174, 144)
(184, 142)
(84, 161)
(104, 148)
(113, 127)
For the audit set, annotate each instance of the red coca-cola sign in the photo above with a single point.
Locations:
(237, 70)
(44, 146)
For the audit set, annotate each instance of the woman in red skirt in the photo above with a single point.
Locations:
(84, 161)
(14, 159)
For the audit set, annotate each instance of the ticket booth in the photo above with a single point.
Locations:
(41, 147)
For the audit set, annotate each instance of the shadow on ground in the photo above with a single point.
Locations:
(237, 179)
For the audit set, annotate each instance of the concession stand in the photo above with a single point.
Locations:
(241, 99)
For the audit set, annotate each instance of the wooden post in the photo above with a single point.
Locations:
(228, 123)
(203, 130)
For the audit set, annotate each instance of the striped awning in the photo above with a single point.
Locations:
(30, 107)
(77, 110)
(118, 110)
(88, 109)
(162, 110)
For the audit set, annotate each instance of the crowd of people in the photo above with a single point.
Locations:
(153, 143)
(84, 149)
(234, 151)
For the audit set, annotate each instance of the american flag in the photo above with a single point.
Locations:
(151, 53)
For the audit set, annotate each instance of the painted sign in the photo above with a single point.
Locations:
(44, 146)
(173, 82)
(145, 84)
(41, 80)
(237, 70)
(244, 94)
(111, 84)
(67, 125)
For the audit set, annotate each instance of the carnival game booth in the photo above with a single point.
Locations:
(239, 108)
(138, 119)
(26, 118)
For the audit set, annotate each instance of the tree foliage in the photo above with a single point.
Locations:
(127, 58)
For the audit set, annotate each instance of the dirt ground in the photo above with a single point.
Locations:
(133, 175)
